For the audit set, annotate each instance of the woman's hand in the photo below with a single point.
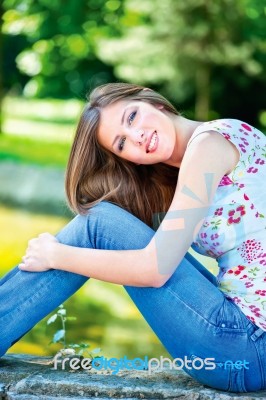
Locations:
(39, 254)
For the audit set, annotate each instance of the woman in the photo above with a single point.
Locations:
(129, 148)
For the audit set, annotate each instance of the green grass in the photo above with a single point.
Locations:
(38, 131)
(46, 110)
(30, 151)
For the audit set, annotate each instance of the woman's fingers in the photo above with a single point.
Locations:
(38, 254)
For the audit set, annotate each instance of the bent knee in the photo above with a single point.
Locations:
(114, 223)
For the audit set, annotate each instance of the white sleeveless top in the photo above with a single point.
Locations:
(234, 231)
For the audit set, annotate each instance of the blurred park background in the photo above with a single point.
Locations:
(207, 57)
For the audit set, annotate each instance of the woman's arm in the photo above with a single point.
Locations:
(206, 160)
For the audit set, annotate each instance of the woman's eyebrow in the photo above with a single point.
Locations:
(123, 116)
(122, 121)
(117, 136)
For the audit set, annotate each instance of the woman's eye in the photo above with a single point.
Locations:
(121, 144)
(131, 117)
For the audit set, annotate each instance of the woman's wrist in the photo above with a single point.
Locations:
(56, 259)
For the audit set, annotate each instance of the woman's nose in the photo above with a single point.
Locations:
(139, 137)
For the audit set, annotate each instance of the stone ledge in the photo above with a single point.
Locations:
(28, 377)
(33, 187)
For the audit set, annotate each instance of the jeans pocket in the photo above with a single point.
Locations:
(222, 375)
(231, 319)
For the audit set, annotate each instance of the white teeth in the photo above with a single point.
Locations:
(152, 142)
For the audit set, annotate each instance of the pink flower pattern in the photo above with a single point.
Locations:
(249, 250)
(233, 232)
(225, 181)
(236, 215)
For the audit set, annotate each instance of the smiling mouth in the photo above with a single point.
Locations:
(152, 143)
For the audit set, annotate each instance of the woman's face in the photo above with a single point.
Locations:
(137, 131)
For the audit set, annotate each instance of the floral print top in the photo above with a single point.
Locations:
(234, 231)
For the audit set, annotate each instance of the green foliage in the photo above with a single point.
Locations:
(59, 58)
(206, 55)
(179, 44)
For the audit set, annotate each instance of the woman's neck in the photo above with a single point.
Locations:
(184, 129)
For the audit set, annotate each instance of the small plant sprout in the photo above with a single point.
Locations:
(82, 350)
(60, 337)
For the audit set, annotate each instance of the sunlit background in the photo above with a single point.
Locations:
(208, 58)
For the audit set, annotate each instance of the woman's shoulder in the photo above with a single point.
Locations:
(227, 126)
(241, 134)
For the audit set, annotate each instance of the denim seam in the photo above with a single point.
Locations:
(254, 343)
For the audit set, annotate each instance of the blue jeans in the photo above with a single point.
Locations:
(189, 314)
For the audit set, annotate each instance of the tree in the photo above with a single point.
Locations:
(192, 51)
(179, 44)
(59, 59)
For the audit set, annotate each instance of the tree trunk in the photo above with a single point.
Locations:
(202, 105)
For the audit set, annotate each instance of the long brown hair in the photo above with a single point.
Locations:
(95, 174)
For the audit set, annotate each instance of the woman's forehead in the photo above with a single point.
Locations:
(119, 104)
(113, 113)
(110, 121)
